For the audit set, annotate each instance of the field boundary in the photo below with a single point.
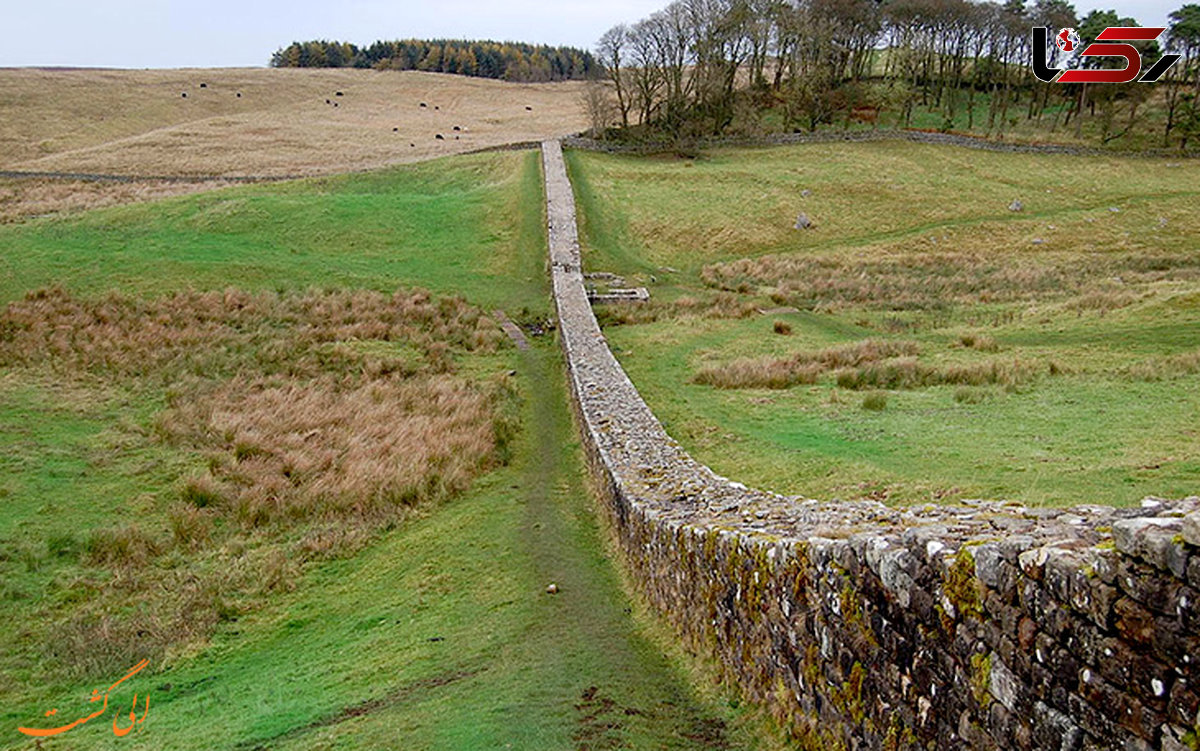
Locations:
(983, 626)
(101, 177)
(875, 136)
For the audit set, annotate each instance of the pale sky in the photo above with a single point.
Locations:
(218, 33)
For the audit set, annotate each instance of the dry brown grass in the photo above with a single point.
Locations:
(136, 122)
(908, 373)
(802, 367)
(214, 333)
(285, 450)
(870, 365)
(324, 418)
(979, 342)
(22, 199)
(936, 281)
(719, 305)
(1164, 368)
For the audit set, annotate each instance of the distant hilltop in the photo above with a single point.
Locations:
(509, 61)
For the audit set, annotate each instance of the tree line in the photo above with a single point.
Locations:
(509, 61)
(705, 67)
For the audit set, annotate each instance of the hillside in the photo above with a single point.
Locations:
(139, 122)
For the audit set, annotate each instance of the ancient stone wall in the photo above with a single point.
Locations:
(988, 626)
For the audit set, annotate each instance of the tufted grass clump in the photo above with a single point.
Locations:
(971, 395)
(802, 367)
(876, 401)
(979, 342)
(1165, 368)
(909, 373)
(321, 418)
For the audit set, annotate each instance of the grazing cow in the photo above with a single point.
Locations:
(529, 109)
(335, 104)
(184, 95)
(239, 95)
(456, 128)
(328, 101)
(204, 86)
(339, 94)
(424, 105)
(436, 107)
(395, 130)
(440, 137)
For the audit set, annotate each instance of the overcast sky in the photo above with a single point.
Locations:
(215, 33)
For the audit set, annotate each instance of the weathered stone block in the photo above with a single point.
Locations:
(1123, 709)
(1173, 739)
(1153, 539)
(1191, 529)
(994, 570)
(1006, 688)
(1184, 703)
(1148, 586)
(1054, 731)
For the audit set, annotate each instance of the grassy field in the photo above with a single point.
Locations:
(453, 231)
(219, 480)
(138, 123)
(923, 341)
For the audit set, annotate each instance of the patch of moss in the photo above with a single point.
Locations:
(898, 736)
(811, 668)
(961, 588)
(981, 679)
(852, 614)
(848, 697)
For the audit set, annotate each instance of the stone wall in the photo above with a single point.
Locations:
(859, 626)
(884, 134)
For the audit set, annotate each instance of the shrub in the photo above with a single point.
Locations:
(876, 401)
(783, 328)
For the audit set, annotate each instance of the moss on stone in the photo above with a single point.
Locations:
(853, 615)
(898, 736)
(961, 587)
(848, 698)
(981, 679)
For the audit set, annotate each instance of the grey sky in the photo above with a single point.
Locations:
(177, 33)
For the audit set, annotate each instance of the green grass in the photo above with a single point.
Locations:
(647, 213)
(916, 243)
(438, 635)
(441, 636)
(453, 229)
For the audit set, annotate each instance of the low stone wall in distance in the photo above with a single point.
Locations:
(987, 626)
(876, 135)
